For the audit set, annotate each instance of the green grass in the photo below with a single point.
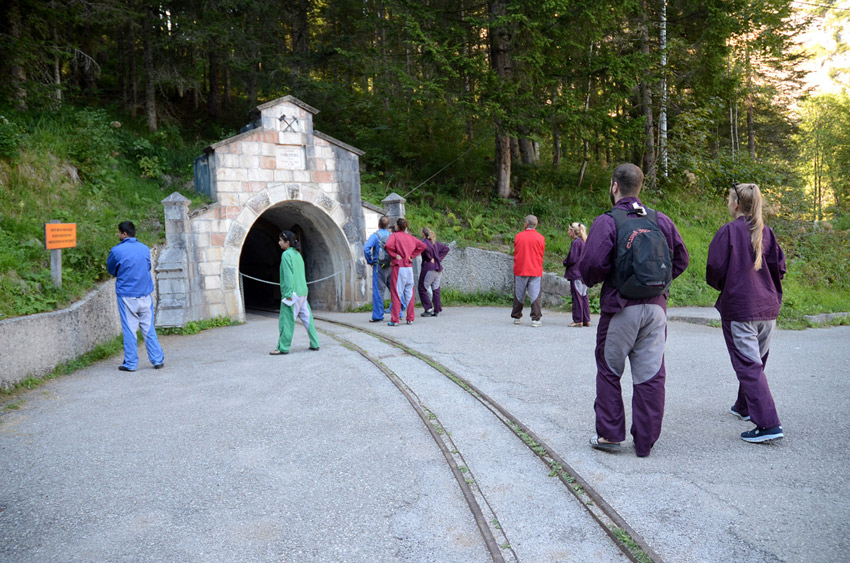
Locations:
(194, 327)
(76, 166)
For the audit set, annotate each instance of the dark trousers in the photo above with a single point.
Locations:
(430, 280)
(581, 304)
(637, 333)
(748, 344)
(533, 286)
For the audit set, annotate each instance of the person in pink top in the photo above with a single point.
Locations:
(403, 248)
(529, 246)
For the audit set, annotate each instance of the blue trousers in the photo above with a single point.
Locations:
(380, 281)
(135, 313)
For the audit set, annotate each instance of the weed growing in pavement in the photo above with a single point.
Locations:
(194, 327)
(630, 544)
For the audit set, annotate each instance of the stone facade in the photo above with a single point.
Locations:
(278, 173)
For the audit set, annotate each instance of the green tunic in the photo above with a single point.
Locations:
(292, 276)
(294, 280)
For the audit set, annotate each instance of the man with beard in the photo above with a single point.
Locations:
(633, 325)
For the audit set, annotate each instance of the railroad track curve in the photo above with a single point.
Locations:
(382, 350)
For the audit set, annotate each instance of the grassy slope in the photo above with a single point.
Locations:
(124, 173)
(818, 279)
(78, 166)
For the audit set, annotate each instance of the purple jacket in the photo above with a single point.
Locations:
(745, 294)
(600, 252)
(433, 251)
(573, 258)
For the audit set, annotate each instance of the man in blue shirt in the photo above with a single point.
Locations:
(130, 262)
(380, 262)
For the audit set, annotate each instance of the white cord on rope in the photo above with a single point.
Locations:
(278, 283)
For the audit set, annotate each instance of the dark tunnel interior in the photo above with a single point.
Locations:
(260, 257)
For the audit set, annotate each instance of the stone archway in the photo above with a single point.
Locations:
(278, 173)
(324, 249)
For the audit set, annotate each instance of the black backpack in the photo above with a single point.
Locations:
(643, 267)
(384, 258)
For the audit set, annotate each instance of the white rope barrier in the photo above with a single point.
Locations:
(278, 283)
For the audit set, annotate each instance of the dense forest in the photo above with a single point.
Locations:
(478, 112)
(699, 92)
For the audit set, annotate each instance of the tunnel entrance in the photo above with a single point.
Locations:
(323, 247)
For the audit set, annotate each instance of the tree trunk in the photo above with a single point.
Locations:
(227, 97)
(556, 147)
(300, 30)
(57, 71)
(500, 61)
(503, 163)
(150, 83)
(526, 150)
(662, 118)
(251, 86)
(751, 134)
(214, 101)
(134, 79)
(16, 67)
(646, 102)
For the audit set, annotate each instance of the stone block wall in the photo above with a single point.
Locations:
(473, 270)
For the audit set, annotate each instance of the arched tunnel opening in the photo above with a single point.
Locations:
(323, 247)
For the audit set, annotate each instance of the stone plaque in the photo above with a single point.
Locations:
(290, 158)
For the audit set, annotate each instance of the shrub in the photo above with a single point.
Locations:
(10, 138)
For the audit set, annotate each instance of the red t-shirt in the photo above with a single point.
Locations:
(529, 246)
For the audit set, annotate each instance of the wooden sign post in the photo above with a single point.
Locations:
(56, 237)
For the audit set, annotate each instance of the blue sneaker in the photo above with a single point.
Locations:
(762, 434)
(392, 324)
(739, 415)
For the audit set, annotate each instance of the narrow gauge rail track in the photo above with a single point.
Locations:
(496, 541)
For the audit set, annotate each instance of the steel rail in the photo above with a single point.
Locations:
(615, 526)
(468, 494)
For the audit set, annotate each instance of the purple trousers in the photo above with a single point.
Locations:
(748, 343)
(430, 280)
(581, 305)
(639, 333)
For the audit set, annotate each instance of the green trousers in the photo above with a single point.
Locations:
(299, 309)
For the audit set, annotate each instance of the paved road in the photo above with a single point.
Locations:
(233, 455)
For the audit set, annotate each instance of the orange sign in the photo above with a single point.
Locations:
(60, 235)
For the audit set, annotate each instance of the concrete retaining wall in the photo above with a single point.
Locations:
(32, 346)
(472, 270)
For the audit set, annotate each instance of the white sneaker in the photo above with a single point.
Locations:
(517, 321)
(536, 323)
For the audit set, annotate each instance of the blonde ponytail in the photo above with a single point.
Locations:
(429, 234)
(750, 203)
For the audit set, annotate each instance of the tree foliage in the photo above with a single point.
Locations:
(417, 82)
